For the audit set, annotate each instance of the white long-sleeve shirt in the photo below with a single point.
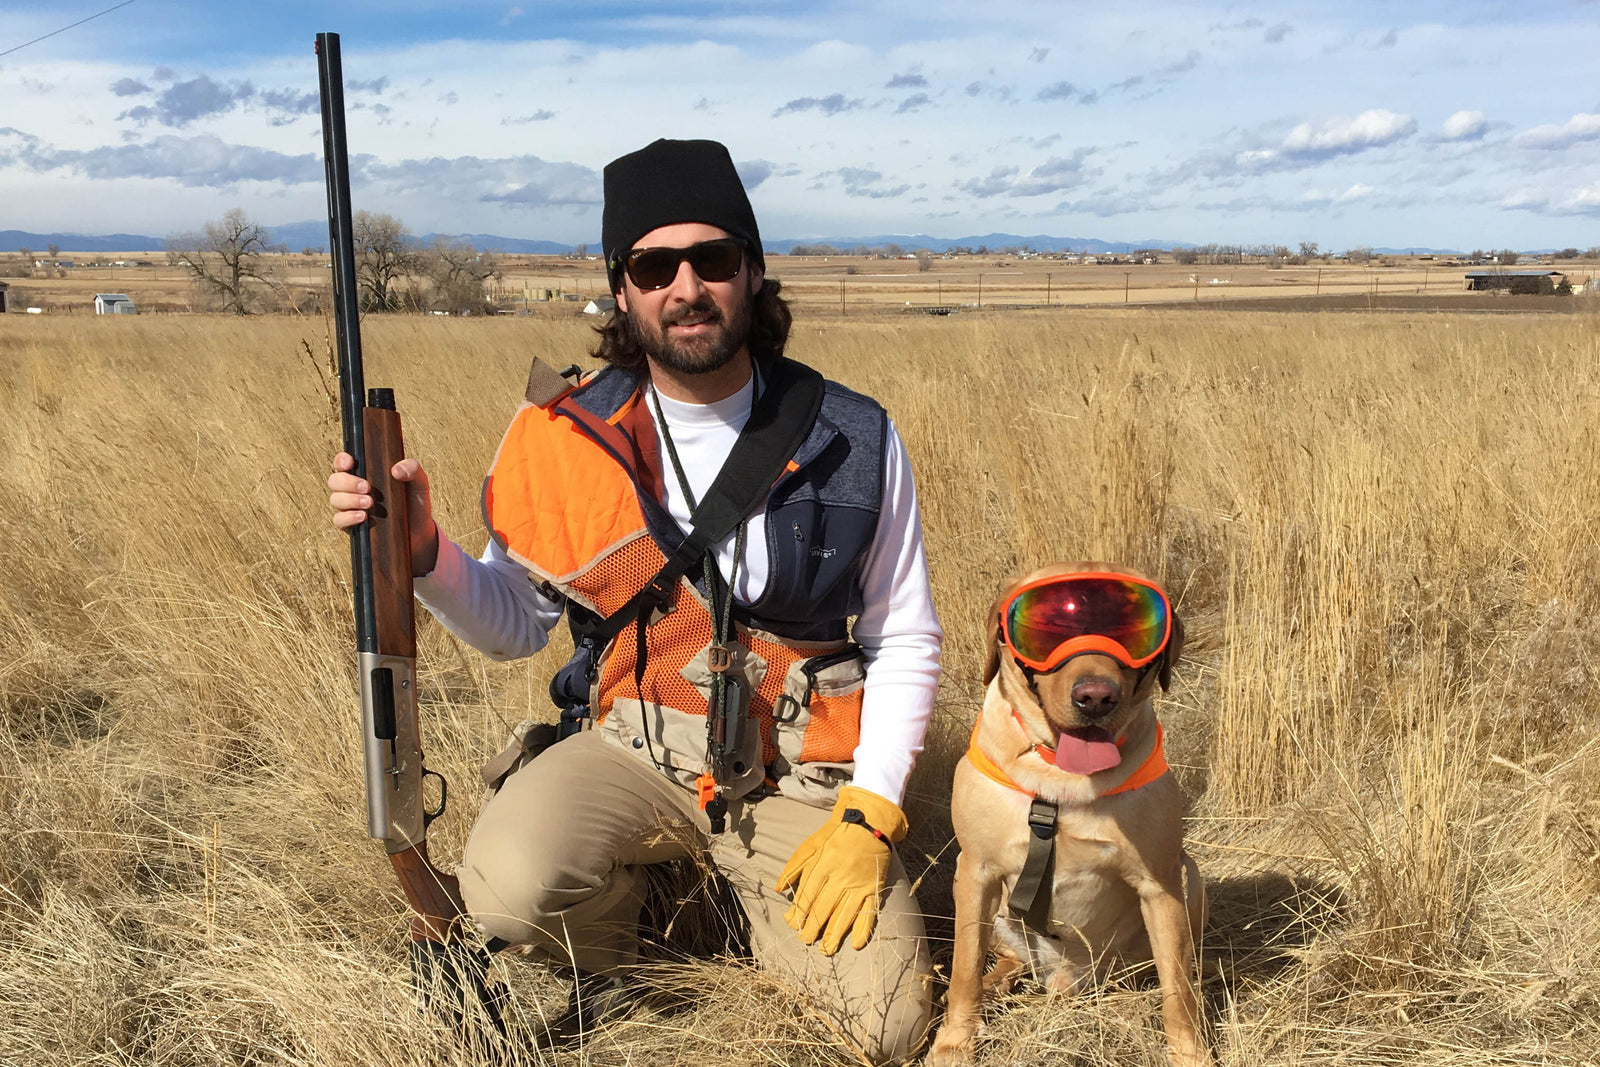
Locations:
(490, 604)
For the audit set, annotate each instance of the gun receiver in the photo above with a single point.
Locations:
(380, 568)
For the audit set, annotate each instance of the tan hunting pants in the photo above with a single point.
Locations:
(552, 861)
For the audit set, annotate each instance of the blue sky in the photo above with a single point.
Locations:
(1468, 124)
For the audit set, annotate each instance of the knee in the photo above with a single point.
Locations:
(901, 1031)
(521, 897)
(894, 1026)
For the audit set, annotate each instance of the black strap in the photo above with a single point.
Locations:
(1030, 897)
(780, 420)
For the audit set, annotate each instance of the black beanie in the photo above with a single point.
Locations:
(668, 182)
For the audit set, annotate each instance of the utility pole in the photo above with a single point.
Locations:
(1047, 290)
(1319, 281)
(841, 297)
(1125, 276)
(980, 289)
(1196, 277)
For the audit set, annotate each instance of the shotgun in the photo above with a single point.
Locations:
(442, 962)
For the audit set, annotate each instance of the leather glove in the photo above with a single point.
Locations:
(841, 870)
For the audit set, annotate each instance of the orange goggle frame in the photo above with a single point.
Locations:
(1050, 620)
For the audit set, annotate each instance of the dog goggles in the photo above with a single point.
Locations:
(714, 261)
(1049, 621)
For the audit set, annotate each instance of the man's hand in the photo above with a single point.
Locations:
(351, 497)
(841, 870)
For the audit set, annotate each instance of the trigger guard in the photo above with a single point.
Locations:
(444, 797)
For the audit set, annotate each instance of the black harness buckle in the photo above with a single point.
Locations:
(1042, 819)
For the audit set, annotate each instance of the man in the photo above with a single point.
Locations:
(735, 716)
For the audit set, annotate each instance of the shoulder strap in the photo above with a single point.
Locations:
(780, 420)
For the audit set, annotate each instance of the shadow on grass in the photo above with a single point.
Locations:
(1260, 925)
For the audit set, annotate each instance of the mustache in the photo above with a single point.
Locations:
(704, 309)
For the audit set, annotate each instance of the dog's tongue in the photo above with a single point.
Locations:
(1085, 750)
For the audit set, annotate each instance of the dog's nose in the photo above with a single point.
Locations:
(1095, 698)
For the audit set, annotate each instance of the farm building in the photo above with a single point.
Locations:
(600, 305)
(114, 304)
(1532, 282)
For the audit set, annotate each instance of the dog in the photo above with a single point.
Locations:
(1079, 734)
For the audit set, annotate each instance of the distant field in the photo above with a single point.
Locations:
(1379, 529)
(847, 284)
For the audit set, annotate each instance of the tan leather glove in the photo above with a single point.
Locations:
(841, 870)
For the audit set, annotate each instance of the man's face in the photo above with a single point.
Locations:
(691, 325)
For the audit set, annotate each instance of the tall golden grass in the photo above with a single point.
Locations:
(1380, 530)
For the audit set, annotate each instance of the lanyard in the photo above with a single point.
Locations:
(713, 787)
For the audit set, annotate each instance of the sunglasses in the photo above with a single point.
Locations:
(1049, 621)
(713, 261)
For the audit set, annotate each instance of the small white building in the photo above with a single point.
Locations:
(600, 305)
(114, 304)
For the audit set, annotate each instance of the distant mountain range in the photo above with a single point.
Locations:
(314, 235)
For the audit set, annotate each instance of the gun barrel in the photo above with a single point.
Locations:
(346, 317)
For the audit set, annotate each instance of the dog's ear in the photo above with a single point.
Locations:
(1169, 655)
(991, 663)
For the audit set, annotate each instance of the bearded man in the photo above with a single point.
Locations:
(737, 547)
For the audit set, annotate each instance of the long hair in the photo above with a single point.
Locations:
(769, 332)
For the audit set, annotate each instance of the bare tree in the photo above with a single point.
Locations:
(227, 260)
(924, 260)
(386, 255)
(54, 250)
(458, 272)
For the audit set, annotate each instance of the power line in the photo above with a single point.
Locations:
(64, 29)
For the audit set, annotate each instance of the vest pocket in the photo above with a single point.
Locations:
(817, 724)
(528, 739)
(675, 741)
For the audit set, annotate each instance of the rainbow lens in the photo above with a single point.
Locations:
(1043, 618)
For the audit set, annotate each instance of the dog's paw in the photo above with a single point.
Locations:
(951, 1048)
(1196, 1055)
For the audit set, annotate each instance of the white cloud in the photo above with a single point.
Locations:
(1357, 191)
(1055, 175)
(1370, 129)
(1464, 126)
(1308, 145)
(1580, 127)
(1584, 200)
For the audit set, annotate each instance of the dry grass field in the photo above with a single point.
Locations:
(856, 285)
(1380, 531)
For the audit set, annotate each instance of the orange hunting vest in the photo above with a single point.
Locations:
(565, 498)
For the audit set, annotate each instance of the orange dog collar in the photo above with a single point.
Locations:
(1154, 766)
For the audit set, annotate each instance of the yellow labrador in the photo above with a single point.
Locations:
(1066, 764)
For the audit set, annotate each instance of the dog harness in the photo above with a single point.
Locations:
(1030, 897)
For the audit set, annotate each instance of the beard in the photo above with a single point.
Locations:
(711, 351)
